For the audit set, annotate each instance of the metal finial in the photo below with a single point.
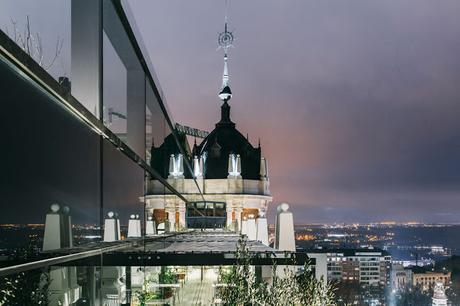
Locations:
(225, 41)
(225, 38)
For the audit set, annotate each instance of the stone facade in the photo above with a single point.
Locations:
(242, 197)
(429, 279)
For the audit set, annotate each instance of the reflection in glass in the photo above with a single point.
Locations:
(70, 192)
(123, 187)
(51, 158)
(44, 36)
(66, 285)
(124, 83)
(115, 91)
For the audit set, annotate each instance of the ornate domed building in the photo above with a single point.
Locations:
(230, 172)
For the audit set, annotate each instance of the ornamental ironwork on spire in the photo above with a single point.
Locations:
(225, 41)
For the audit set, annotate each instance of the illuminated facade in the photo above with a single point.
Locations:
(227, 185)
(231, 174)
(429, 279)
(367, 266)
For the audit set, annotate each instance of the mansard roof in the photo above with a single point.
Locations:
(225, 139)
(160, 155)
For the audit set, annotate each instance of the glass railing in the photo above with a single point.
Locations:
(84, 113)
(95, 178)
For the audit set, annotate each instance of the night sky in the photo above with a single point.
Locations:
(357, 103)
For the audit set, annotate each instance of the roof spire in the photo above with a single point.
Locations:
(225, 76)
(225, 41)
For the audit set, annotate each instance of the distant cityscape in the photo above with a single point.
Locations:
(369, 263)
(411, 243)
(386, 263)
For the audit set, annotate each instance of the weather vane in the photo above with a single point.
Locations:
(225, 41)
(225, 38)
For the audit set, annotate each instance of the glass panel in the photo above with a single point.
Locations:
(124, 83)
(65, 44)
(155, 121)
(51, 158)
(115, 91)
(154, 135)
(123, 195)
(62, 180)
(65, 285)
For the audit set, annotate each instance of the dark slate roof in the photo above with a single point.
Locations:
(160, 155)
(224, 140)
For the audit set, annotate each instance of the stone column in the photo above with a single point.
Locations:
(251, 229)
(285, 239)
(150, 227)
(182, 212)
(230, 210)
(170, 216)
(58, 229)
(134, 227)
(238, 211)
(262, 229)
(111, 228)
(244, 227)
(63, 287)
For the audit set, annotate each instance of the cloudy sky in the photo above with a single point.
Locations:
(357, 103)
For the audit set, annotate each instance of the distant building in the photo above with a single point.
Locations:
(401, 278)
(367, 266)
(227, 187)
(427, 280)
(233, 185)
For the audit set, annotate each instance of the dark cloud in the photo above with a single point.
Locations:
(357, 102)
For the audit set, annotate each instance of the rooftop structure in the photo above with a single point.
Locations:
(228, 182)
(428, 279)
(367, 266)
(401, 278)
